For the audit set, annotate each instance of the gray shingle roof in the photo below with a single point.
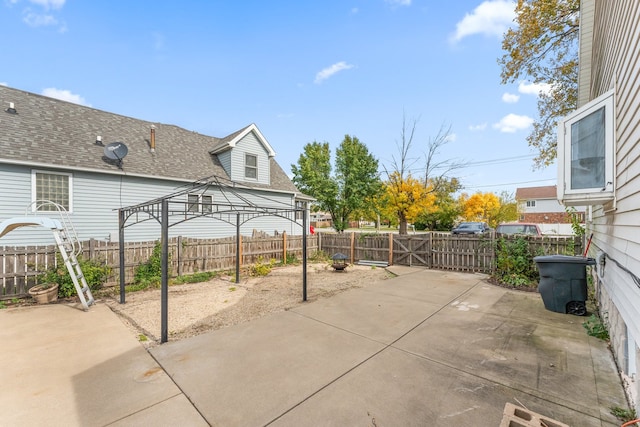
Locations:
(59, 133)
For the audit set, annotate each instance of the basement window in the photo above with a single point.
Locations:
(586, 154)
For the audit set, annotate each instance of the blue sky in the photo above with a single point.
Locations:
(302, 71)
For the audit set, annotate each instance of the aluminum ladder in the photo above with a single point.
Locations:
(70, 247)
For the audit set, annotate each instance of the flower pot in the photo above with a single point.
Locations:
(44, 294)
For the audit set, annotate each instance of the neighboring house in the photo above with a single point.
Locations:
(55, 150)
(599, 166)
(540, 205)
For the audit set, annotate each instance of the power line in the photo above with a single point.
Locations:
(510, 183)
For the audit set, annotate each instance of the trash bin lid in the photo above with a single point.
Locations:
(566, 259)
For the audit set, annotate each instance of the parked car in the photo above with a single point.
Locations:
(519, 228)
(471, 228)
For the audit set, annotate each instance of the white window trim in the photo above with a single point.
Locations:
(34, 189)
(247, 166)
(587, 196)
(200, 204)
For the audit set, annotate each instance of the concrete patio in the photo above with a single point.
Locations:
(424, 348)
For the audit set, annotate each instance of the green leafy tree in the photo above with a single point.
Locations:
(312, 174)
(344, 192)
(543, 47)
(508, 210)
(407, 196)
(446, 209)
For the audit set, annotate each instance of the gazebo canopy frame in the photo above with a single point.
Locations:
(170, 212)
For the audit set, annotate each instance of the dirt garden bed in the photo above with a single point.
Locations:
(220, 302)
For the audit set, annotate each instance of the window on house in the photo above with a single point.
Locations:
(199, 203)
(531, 203)
(586, 153)
(207, 204)
(251, 166)
(51, 186)
(192, 203)
(300, 210)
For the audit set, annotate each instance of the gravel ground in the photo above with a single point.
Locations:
(200, 307)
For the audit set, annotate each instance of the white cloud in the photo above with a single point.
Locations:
(39, 20)
(64, 95)
(452, 137)
(513, 122)
(4, 84)
(491, 18)
(510, 98)
(534, 88)
(331, 70)
(399, 2)
(49, 4)
(481, 126)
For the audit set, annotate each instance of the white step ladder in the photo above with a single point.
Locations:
(68, 252)
(70, 247)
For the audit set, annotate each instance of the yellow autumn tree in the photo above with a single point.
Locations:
(483, 207)
(407, 198)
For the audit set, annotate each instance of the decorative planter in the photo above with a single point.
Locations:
(44, 294)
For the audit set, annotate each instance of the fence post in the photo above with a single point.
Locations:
(92, 248)
(284, 247)
(179, 255)
(353, 238)
(390, 248)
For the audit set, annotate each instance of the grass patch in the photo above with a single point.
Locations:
(596, 328)
(202, 276)
(624, 415)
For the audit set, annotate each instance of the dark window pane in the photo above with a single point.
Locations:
(192, 203)
(588, 151)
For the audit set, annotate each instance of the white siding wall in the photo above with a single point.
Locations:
(544, 205)
(225, 160)
(96, 199)
(616, 64)
(250, 144)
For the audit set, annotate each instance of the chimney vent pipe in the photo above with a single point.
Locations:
(152, 142)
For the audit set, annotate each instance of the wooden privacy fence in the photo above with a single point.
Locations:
(443, 251)
(20, 266)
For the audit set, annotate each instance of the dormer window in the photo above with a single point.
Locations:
(251, 166)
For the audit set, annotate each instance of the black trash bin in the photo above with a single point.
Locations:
(563, 282)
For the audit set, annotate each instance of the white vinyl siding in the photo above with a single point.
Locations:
(97, 198)
(250, 145)
(225, 161)
(615, 226)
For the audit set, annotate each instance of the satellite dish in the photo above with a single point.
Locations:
(116, 151)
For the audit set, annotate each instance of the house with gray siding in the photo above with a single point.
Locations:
(55, 150)
(599, 166)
